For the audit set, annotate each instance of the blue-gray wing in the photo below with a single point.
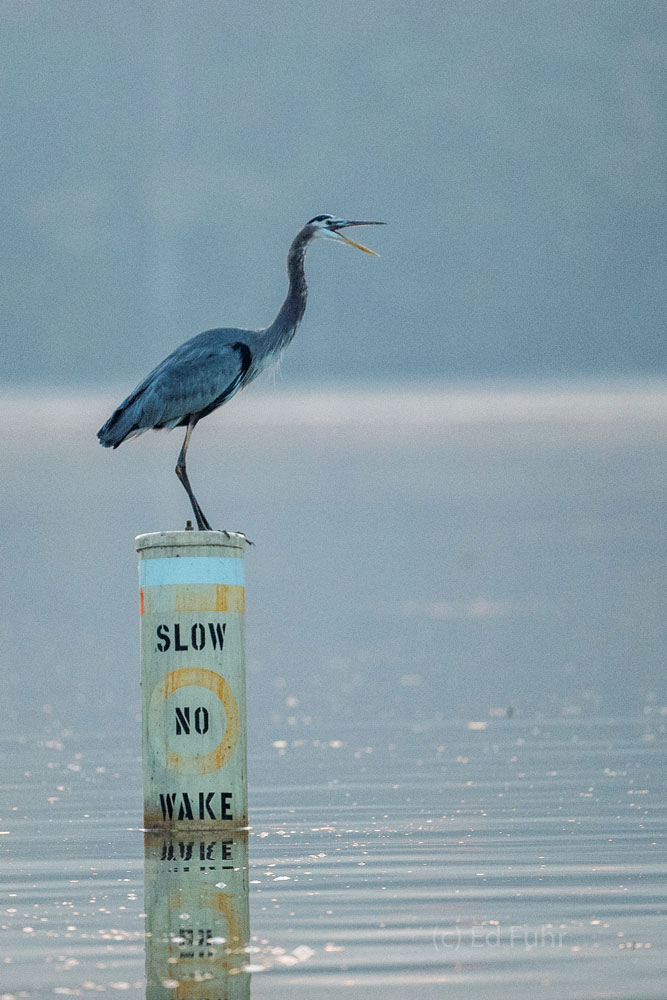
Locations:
(192, 381)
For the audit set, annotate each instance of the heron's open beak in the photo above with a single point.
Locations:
(358, 245)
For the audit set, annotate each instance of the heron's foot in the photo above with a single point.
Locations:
(202, 522)
(241, 533)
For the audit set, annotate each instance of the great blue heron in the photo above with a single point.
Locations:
(206, 371)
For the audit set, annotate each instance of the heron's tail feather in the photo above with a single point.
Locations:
(120, 426)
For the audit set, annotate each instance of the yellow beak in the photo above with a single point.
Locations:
(357, 245)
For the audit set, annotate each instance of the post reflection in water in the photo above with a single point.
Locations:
(197, 916)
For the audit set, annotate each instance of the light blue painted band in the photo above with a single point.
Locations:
(191, 570)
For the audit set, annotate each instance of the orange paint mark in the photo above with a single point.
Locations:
(213, 761)
(199, 597)
(224, 907)
(230, 598)
(141, 600)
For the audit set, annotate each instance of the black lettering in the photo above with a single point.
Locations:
(177, 639)
(217, 633)
(182, 721)
(185, 812)
(167, 804)
(198, 635)
(183, 852)
(198, 638)
(205, 804)
(225, 805)
(163, 635)
(201, 720)
(205, 811)
(194, 942)
(185, 949)
(203, 936)
(226, 850)
(206, 849)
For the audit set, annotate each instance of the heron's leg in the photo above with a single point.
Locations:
(182, 474)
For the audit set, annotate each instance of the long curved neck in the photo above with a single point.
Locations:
(291, 313)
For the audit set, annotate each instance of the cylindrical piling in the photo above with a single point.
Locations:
(197, 915)
(192, 603)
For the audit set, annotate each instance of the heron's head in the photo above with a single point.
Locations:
(328, 227)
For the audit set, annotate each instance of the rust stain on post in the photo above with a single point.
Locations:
(196, 934)
(216, 758)
(230, 599)
(192, 603)
(216, 597)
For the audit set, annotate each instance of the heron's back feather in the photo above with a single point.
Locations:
(196, 378)
(206, 371)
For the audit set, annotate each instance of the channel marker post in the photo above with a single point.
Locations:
(192, 604)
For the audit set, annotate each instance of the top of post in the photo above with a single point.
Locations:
(230, 543)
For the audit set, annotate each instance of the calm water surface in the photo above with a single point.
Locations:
(456, 700)
(509, 859)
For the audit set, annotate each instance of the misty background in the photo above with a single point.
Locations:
(456, 484)
(158, 158)
(456, 629)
